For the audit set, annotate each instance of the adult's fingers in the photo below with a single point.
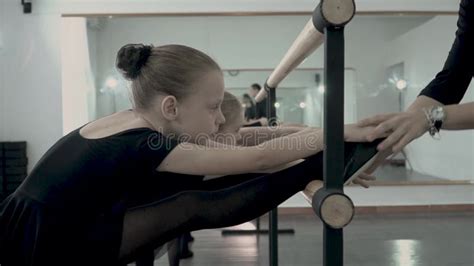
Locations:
(367, 177)
(360, 182)
(375, 120)
(403, 142)
(385, 127)
(379, 159)
(393, 138)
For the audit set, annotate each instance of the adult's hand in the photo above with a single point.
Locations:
(364, 178)
(400, 128)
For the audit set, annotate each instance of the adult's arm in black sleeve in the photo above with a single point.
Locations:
(450, 85)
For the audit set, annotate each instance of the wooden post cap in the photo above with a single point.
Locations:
(337, 210)
(333, 207)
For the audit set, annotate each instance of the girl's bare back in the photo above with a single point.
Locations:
(112, 124)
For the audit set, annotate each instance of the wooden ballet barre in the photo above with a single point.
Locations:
(328, 12)
(311, 189)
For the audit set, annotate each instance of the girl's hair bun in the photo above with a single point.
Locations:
(131, 58)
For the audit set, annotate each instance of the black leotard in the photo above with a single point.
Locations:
(74, 199)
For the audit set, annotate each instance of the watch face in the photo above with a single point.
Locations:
(438, 113)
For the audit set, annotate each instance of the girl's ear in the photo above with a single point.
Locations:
(169, 107)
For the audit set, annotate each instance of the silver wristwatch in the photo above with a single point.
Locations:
(436, 116)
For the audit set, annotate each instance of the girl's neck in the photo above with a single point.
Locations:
(152, 121)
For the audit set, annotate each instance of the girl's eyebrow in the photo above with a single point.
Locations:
(214, 102)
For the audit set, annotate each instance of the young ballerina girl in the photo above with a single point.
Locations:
(74, 207)
(230, 133)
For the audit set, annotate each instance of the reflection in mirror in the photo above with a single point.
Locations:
(300, 96)
(389, 60)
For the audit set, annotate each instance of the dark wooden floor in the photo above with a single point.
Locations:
(440, 239)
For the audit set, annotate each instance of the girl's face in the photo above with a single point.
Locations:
(246, 102)
(199, 114)
(229, 132)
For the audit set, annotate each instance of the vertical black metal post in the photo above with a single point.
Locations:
(273, 223)
(333, 135)
(273, 218)
(2, 172)
(271, 110)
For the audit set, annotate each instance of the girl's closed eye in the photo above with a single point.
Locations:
(216, 107)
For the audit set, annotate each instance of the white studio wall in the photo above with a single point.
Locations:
(2, 73)
(30, 78)
(78, 89)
